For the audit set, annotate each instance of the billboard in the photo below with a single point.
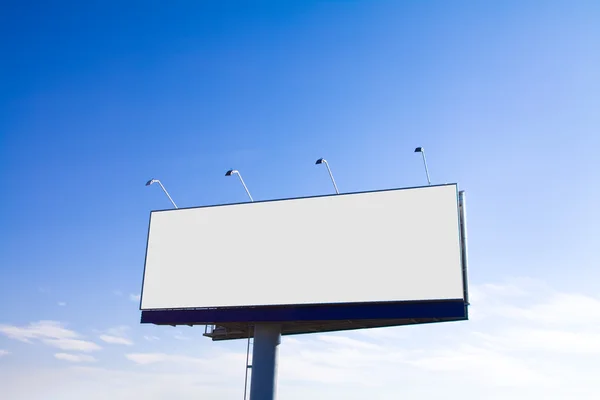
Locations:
(399, 245)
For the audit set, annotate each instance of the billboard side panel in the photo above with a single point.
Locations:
(395, 245)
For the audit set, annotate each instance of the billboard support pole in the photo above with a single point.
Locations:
(263, 383)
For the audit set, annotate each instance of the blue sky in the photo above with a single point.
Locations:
(98, 97)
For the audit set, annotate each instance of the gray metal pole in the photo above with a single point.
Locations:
(426, 169)
(331, 176)
(324, 161)
(247, 191)
(247, 367)
(263, 384)
(167, 193)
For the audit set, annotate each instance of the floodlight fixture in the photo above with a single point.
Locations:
(151, 181)
(324, 161)
(422, 151)
(236, 172)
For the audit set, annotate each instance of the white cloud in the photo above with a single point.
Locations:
(214, 357)
(37, 330)
(118, 330)
(544, 340)
(482, 364)
(522, 355)
(117, 335)
(349, 342)
(383, 335)
(116, 340)
(77, 382)
(72, 344)
(151, 338)
(561, 308)
(180, 336)
(77, 358)
(4, 353)
(52, 333)
(335, 359)
(134, 297)
(62, 303)
(153, 358)
(527, 349)
(513, 288)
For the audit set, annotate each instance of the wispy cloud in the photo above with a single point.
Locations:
(499, 369)
(349, 342)
(91, 382)
(522, 354)
(62, 303)
(180, 336)
(4, 353)
(153, 358)
(52, 333)
(527, 332)
(543, 340)
(117, 335)
(76, 358)
(115, 340)
(215, 359)
(72, 344)
(559, 309)
(38, 330)
(134, 297)
(151, 338)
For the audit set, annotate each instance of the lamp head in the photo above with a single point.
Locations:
(151, 181)
(321, 161)
(419, 150)
(231, 172)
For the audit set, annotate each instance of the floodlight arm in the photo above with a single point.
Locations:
(422, 151)
(151, 181)
(324, 161)
(236, 172)
(245, 187)
(167, 193)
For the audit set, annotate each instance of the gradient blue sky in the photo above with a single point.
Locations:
(98, 97)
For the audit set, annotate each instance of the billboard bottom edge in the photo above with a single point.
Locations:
(456, 308)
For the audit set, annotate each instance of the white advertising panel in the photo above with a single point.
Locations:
(391, 245)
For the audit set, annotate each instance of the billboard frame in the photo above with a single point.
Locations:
(237, 322)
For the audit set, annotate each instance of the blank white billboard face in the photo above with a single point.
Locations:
(394, 245)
